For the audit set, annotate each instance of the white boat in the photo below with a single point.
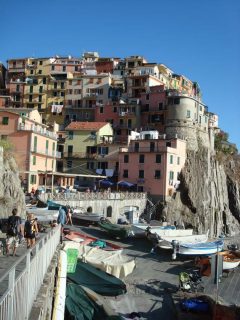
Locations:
(140, 229)
(43, 214)
(166, 241)
(230, 260)
(206, 248)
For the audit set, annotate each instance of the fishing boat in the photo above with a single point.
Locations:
(140, 229)
(87, 216)
(230, 260)
(165, 242)
(114, 230)
(84, 239)
(206, 248)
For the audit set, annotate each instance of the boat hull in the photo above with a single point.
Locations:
(230, 260)
(166, 242)
(199, 249)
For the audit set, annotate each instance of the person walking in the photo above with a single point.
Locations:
(69, 216)
(13, 232)
(30, 230)
(61, 219)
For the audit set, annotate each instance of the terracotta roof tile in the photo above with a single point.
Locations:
(85, 125)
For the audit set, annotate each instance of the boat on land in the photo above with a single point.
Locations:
(140, 229)
(166, 242)
(84, 239)
(114, 230)
(230, 260)
(87, 216)
(199, 249)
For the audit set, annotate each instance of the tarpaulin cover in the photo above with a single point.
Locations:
(80, 307)
(97, 280)
(114, 229)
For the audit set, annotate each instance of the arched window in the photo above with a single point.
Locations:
(109, 212)
(89, 209)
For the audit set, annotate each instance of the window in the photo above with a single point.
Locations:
(5, 120)
(70, 151)
(200, 119)
(35, 144)
(168, 144)
(141, 174)
(158, 158)
(47, 143)
(40, 62)
(34, 160)
(176, 101)
(64, 68)
(147, 96)
(53, 68)
(125, 173)
(40, 99)
(55, 85)
(115, 109)
(171, 159)
(70, 135)
(136, 147)
(157, 174)
(178, 160)
(141, 158)
(188, 113)
(62, 94)
(101, 109)
(171, 175)
(31, 89)
(126, 158)
(39, 107)
(152, 146)
(160, 106)
(33, 179)
(55, 93)
(76, 68)
(109, 212)
(44, 80)
(69, 164)
(30, 98)
(17, 87)
(40, 89)
(62, 85)
(39, 71)
(53, 148)
(31, 71)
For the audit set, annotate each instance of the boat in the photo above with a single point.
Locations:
(206, 248)
(43, 214)
(87, 216)
(230, 260)
(140, 229)
(97, 280)
(84, 303)
(84, 239)
(166, 242)
(114, 230)
(53, 205)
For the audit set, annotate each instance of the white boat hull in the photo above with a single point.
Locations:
(207, 248)
(228, 265)
(88, 216)
(166, 242)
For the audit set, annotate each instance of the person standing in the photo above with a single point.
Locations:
(13, 232)
(30, 230)
(69, 216)
(61, 219)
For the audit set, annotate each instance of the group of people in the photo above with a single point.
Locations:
(64, 216)
(16, 231)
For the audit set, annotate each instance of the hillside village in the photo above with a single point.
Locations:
(94, 121)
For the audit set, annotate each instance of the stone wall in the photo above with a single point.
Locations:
(11, 194)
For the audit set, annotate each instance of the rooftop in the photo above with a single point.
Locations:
(85, 125)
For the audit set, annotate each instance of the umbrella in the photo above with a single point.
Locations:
(125, 184)
(106, 183)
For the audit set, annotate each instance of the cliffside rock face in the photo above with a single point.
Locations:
(208, 197)
(11, 194)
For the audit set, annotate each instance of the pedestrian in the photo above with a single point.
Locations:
(155, 241)
(69, 216)
(13, 232)
(30, 230)
(61, 219)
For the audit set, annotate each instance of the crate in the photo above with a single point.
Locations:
(72, 256)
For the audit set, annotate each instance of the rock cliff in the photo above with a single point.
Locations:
(11, 194)
(208, 197)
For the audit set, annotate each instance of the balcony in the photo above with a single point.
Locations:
(16, 69)
(90, 95)
(143, 149)
(38, 130)
(80, 155)
(47, 153)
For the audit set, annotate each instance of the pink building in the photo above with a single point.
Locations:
(34, 147)
(153, 108)
(152, 163)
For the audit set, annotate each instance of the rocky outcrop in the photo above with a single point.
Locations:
(11, 194)
(208, 197)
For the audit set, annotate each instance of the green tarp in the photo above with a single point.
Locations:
(80, 307)
(113, 229)
(97, 280)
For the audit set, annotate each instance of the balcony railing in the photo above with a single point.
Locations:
(80, 155)
(36, 129)
(47, 153)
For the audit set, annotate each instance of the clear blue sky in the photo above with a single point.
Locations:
(197, 38)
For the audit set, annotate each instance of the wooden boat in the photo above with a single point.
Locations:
(84, 239)
(230, 260)
(206, 248)
(114, 230)
(140, 229)
(166, 241)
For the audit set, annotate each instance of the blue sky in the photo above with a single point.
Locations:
(200, 39)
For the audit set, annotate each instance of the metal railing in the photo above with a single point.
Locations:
(23, 286)
(78, 196)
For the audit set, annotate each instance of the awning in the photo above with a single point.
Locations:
(125, 184)
(106, 183)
